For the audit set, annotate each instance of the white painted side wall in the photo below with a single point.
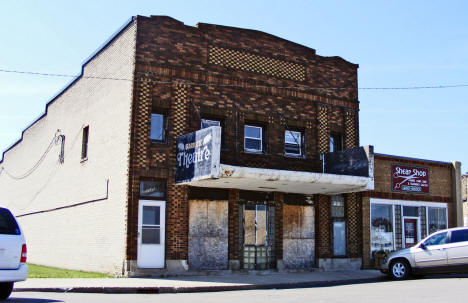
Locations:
(91, 236)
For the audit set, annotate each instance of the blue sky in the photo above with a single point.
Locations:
(395, 43)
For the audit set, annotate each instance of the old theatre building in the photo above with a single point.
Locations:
(269, 200)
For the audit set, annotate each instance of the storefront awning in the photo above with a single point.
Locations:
(261, 179)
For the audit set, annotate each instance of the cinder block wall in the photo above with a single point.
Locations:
(90, 236)
(207, 66)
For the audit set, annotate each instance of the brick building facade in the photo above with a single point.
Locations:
(113, 205)
(240, 77)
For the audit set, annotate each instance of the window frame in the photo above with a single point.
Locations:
(336, 146)
(300, 143)
(164, 127)
(261, 139)
(143, 197)
(84, 143)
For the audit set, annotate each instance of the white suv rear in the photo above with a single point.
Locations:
(13, 266)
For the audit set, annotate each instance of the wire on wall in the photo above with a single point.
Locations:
(440, 86)
(26, 174)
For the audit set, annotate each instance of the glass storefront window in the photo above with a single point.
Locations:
(381, 228)
(437, 219)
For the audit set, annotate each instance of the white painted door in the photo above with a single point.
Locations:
(151, 234)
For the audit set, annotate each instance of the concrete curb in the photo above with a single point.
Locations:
(194, 289)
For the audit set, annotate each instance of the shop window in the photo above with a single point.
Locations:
(437, 219)
(336, 142)
(153, 189)
(84, 143)
(339, 225)
(253, 138)
(158, 128)
(293, 143)
(381, 228)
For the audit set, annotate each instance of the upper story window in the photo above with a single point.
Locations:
(293, 143)
(253, 138)
(84, 143)
(158, 128)
(208, 123)
(336, 142)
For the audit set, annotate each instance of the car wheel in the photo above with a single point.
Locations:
(5, 290)
(399, 269)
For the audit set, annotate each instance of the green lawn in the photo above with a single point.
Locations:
(39, 271)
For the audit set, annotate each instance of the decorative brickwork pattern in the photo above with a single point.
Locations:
(255, 63)
(177, 208)
(351, 130)
(324, 236)
(233, 228)
(353, 216)
(158, 159)
(323, 129)
(180, 111)
(142, 122)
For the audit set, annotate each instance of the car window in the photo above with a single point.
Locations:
(436, 239)
(459, 236)
(8, 225)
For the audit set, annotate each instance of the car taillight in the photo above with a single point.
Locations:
(24, 254)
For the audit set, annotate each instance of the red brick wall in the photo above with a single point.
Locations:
(170, 54)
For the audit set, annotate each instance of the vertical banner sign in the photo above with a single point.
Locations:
(198, 155)
(410, 179)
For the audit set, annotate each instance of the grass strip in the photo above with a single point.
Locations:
(39, 271)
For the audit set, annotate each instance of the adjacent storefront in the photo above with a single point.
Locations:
(396, 224)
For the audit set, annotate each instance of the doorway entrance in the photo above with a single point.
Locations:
(410, 231)
(258, 237)
(151, 234)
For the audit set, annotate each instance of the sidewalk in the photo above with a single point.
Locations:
(235, 281)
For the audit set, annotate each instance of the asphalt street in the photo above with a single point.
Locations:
(441, 289)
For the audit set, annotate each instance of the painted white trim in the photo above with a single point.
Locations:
(408, 203)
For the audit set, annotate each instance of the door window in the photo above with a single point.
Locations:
(151, 228)
(438, 239)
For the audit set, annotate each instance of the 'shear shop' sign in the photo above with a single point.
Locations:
(198, 155)
(410, 179)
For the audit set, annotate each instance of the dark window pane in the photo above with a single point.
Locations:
(253, 144)
(151, 235)
(459, 236)
(153, 189)
(410, 211)
(292, 149)
(151, 215)
(157, 127)
(8, 225)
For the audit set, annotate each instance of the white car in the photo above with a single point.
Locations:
(13, 251)
(445, 251)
